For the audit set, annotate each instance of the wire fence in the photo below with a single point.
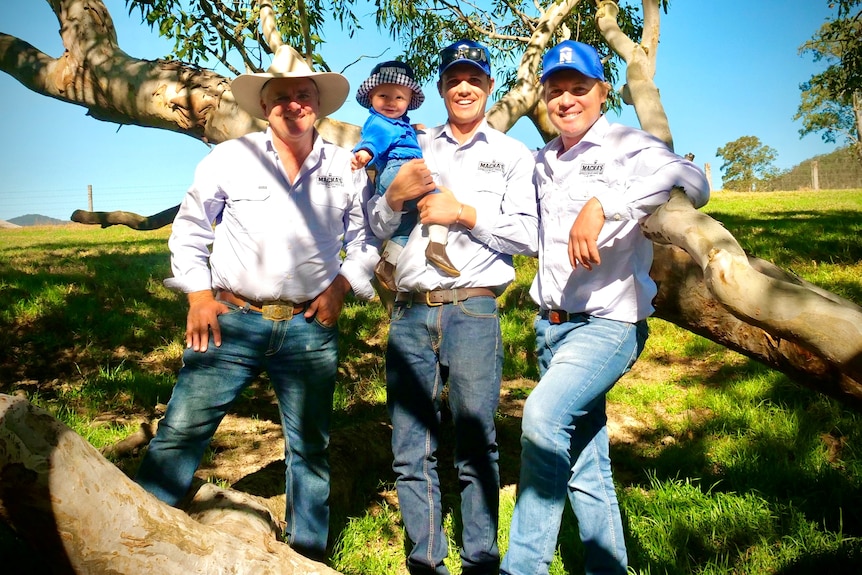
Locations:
(60, 203)
(821, 177)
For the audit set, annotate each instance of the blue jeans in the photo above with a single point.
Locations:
(565, 446)
(428, 346)
(301, 359)
(410, 211)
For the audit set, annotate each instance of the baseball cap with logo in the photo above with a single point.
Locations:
(571, 55)
(465, 52)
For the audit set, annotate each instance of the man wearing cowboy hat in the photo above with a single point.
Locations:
(277, 208)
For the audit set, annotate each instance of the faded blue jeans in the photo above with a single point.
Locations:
(300, 357)
(428, 347)
(565, 446)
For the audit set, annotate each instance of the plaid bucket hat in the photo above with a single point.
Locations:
(392, 72)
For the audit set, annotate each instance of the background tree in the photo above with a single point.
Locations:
(832, 99)
(748, 164)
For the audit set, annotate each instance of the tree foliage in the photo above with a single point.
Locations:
(748, 164)
(210, 32)
(228, 32)
(832, 100)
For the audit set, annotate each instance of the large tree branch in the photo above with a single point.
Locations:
(811, 335)
(84, 515)
(640, 89)
(95, 73)
(524, 96)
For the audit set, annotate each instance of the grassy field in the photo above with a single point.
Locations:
(722, 465)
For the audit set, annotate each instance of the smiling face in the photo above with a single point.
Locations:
(574, 103)
(391, 100)
(291, 106)
(465, 90)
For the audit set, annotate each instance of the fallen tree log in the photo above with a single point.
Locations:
(84, 515)
(128, 219)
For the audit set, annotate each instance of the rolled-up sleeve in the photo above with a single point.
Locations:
(361, 246)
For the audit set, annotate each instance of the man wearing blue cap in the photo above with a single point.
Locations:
(595, 182)
(446, 329)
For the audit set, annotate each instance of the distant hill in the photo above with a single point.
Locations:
(37, 220)
(838, 170)
(4, 225)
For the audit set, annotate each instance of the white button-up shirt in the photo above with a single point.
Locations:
(631, 173)
(272, 239)
(491, 172)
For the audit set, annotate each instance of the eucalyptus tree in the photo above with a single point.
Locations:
(832, 99)
(707, 283)
(180, 95)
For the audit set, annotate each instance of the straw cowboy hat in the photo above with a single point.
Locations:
(288, 63)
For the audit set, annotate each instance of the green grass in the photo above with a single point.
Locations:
(722, 465)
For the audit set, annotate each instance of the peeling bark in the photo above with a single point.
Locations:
(83, 515)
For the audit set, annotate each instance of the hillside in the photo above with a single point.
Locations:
(838, 170)
(37, 220)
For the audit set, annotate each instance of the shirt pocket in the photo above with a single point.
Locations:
(328, 206)
(247, 204)
(583, 188)
(487, 193)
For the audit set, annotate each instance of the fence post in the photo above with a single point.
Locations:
(815, 175)
(90, 197)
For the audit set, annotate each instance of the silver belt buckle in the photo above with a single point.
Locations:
(277, 312)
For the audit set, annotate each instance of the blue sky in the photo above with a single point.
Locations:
(725, 70)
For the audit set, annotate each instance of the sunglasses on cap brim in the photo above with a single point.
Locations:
(449, 55)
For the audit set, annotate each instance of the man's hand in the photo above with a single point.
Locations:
(412, 181)
(327, 306)
(203, 317)
(584, 235)
(445, 209)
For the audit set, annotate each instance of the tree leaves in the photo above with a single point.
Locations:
(747, 164)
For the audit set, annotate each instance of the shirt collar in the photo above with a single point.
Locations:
(317, 147)
(594, 137)
(480, 133)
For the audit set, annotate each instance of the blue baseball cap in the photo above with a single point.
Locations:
(465, 52)
(571, 55)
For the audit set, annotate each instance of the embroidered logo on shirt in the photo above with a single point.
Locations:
(492, 166)
(594, 169)
(330, 181)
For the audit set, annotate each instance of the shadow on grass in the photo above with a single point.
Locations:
(791, 237)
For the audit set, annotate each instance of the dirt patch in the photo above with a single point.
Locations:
(247, 452)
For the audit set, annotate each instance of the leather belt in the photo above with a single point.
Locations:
(441, 296)
(556, 316)
(277, 310)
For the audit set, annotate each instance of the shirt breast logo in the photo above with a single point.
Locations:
(330, 181)
(594, 169)
(492, 166)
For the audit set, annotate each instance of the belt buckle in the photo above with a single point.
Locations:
(277, 312)
(428, 301)
(557, 316)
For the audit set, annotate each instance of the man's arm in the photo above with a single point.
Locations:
(384, 212)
